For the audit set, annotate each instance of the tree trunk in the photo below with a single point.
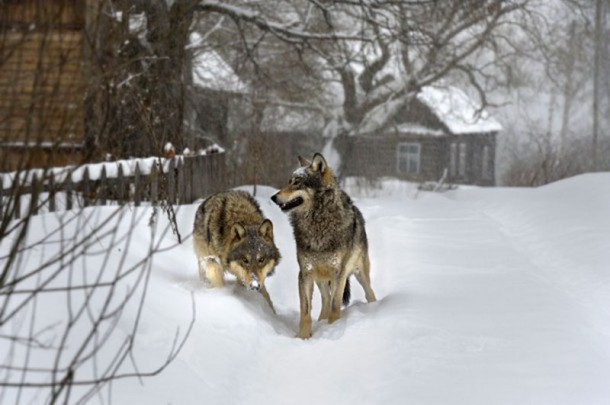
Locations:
(596, 81)
(137, 95)
(568, 91)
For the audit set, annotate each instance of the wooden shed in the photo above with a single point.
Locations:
(441, 130)
(41, 82)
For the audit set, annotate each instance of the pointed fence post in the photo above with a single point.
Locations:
(120, 185)
(171, 182)
(204, 176)
(211, 173)
(154, 184)
(216, 173)
(52, 193)
(195, 176)
(86, 190)
(188, 180)
(103, 186)
(69, 191)
(222, 170)
(34, 194)
(204, 184)
(137, 185)
(17, 196)
(181, 182)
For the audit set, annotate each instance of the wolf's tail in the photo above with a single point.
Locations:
(347, 294)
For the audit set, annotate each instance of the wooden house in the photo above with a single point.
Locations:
(440, 133)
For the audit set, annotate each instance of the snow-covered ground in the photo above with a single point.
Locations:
(485, 296)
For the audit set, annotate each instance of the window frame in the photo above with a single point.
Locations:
(407, 156)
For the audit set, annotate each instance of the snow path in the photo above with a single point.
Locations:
(485, 296)
(472, 310)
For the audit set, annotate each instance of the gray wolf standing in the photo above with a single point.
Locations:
(330, 237)
(230, 234)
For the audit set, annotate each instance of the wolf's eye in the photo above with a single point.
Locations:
(296, 181)
(261, 260)
(245, 260)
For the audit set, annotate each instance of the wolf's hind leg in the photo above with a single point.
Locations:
(364, 278)
(324, 287)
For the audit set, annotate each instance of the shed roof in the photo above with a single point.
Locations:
(211, 71)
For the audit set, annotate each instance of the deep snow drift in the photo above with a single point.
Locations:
(485, 296)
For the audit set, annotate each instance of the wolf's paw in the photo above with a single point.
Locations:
(333, 317)
(304, 335)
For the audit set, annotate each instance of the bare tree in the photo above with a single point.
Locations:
(140, 72)
(597, 68)
(410, 45)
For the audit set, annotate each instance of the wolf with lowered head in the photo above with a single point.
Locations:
(230, 234)
(330, 237)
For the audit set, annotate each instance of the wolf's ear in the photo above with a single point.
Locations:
(319, 163)
(303, 161)
(266, 230)
(238, 232)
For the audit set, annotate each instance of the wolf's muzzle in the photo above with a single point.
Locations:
(287, 205)
(254, 285)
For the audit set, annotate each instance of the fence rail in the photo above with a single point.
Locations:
(180, 180)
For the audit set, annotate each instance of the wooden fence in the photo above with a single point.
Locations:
(180, 180)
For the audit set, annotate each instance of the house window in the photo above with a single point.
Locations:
(409, 158)
(486, 163)
(462, 160)
(457, 159)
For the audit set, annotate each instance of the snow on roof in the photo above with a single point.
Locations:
(457, 111)
(210, 71)
(410, 128)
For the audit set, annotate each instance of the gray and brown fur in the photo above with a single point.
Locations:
(330, 237)
(231, 234)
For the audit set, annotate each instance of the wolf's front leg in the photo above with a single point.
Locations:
(213, 270)
(305, 292)
(337, 296)
(265, 295)
(201, 266)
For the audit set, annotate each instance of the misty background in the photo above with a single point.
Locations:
(265, 81)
